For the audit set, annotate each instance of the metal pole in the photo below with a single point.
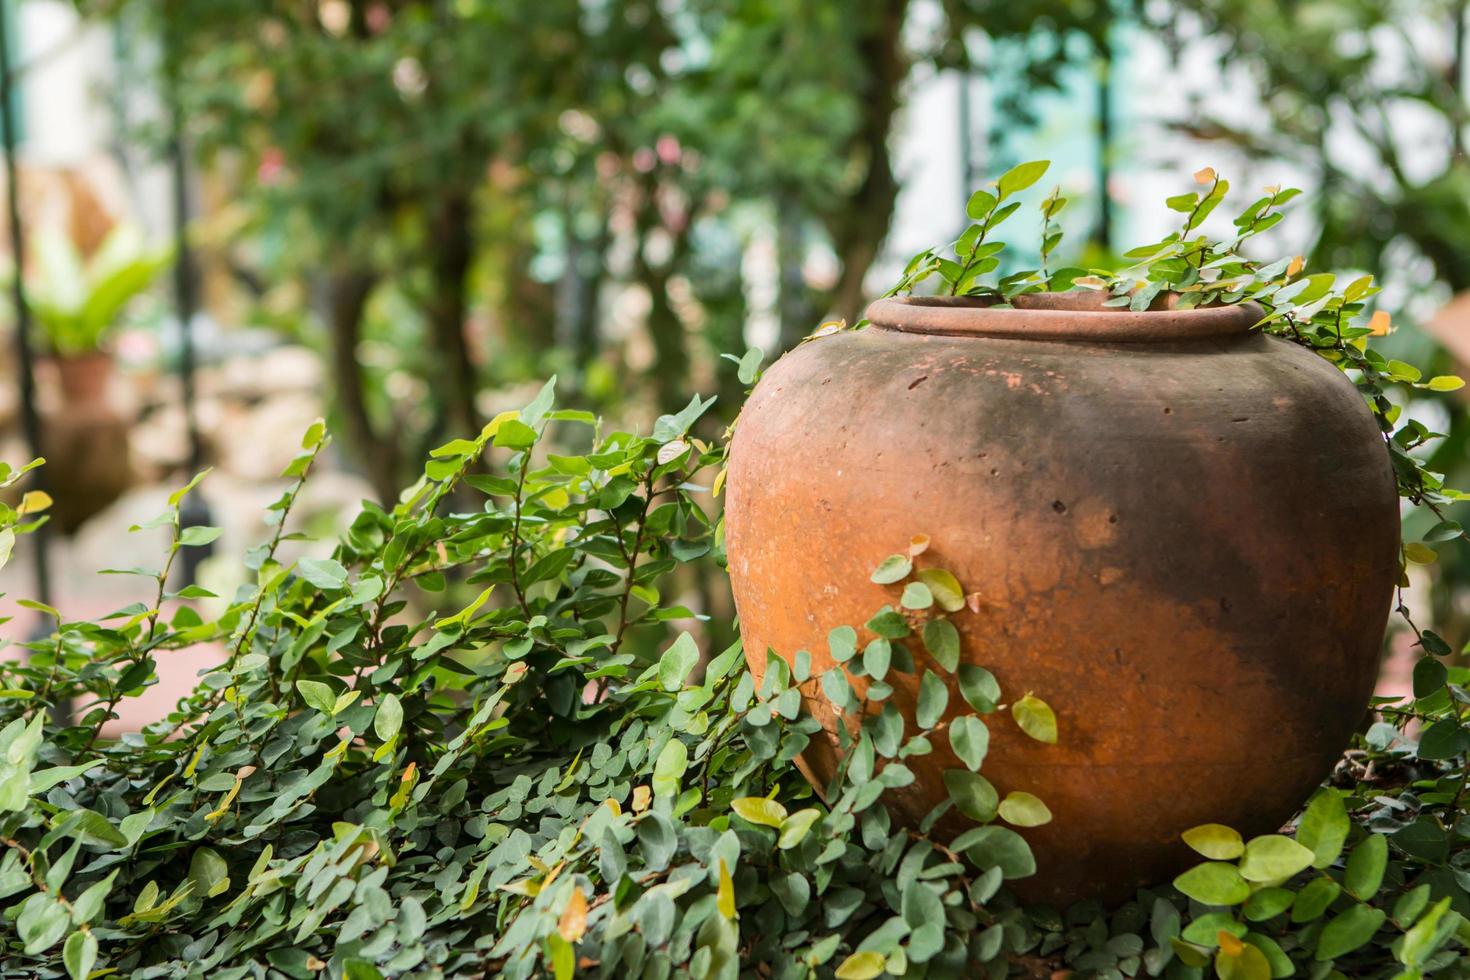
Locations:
(186, 298)
(25, 356)
(1105, 143)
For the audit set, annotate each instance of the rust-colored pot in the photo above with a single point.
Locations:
(1183, 535)
(85, 439)
(83, 378)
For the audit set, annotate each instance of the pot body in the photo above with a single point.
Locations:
(85, 438)
(84, 378)
(1186, 547)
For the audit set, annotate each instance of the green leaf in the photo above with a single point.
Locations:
(861, 966)
(1268, 903)
(324, 573)
(1429, 676)
(1021, 176)
(1425, 936)
(209, 872)
(1445, 739)
(1314, 899)
(979, 688)
(1324, 827)
(80, 954)
(972, 794)
(877, 655)
(1215, 841)
(1445, 382)
(795, 827)
(388, 719)
(41, 923)
(1274, 858)
(318, 695)
(669, 768)
(1365, 867)
(677, 661)
(980, 204)
(1036, 719)
(888, 624)
(1214, 883)
(198, 535)
(514, 434)
(1352, 928)
(842, 642)
(999, 847)
(87, 905)
(916, 595)
(894, 568)
(1021, 809)
(749, 365)
(933, 700)
(759, 810)
(942, 641)
(970, 740)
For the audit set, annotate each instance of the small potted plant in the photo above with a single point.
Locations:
(77, 301)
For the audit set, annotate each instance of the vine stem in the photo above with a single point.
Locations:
(135, 655)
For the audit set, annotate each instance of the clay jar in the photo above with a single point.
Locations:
(1182, 534)
(85, 438)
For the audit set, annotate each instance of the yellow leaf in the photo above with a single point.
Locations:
(614, 806)
(641, 796)
(1379, 324)
(493, 426)
(1229, 944)
(861, 966)
(1295, 266)
(405, 786)
(1024, 810)
(945, 587)
(725, 897)
(1215, 841)
(1248, 963)
(563, 958)
(34, 502)
(918, 544)
(573, 922)
(1036, 718)
(1205, 175)
(1420, 553)
(759, 810)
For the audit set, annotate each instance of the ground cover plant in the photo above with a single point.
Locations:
(481, 738)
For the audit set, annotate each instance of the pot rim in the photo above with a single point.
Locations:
(1076, 315)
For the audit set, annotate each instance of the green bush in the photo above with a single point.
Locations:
(465, 744)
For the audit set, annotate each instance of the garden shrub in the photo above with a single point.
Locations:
(474, 742)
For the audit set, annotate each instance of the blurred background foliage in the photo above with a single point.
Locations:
(448, 200)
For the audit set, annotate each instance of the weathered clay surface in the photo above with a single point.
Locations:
(1154, 526)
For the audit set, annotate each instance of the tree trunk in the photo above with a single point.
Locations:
(376, 453)
(858, 227)
(794, 302)
(451, 250)
(665, 328)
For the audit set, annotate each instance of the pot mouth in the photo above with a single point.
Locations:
(1076, 315)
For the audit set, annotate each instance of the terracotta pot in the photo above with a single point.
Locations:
(83, 378)
(1183, 535)
(85, 440)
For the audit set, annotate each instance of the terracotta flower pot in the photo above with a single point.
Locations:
(83, 378)
(85, 439)
(1183, 535)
